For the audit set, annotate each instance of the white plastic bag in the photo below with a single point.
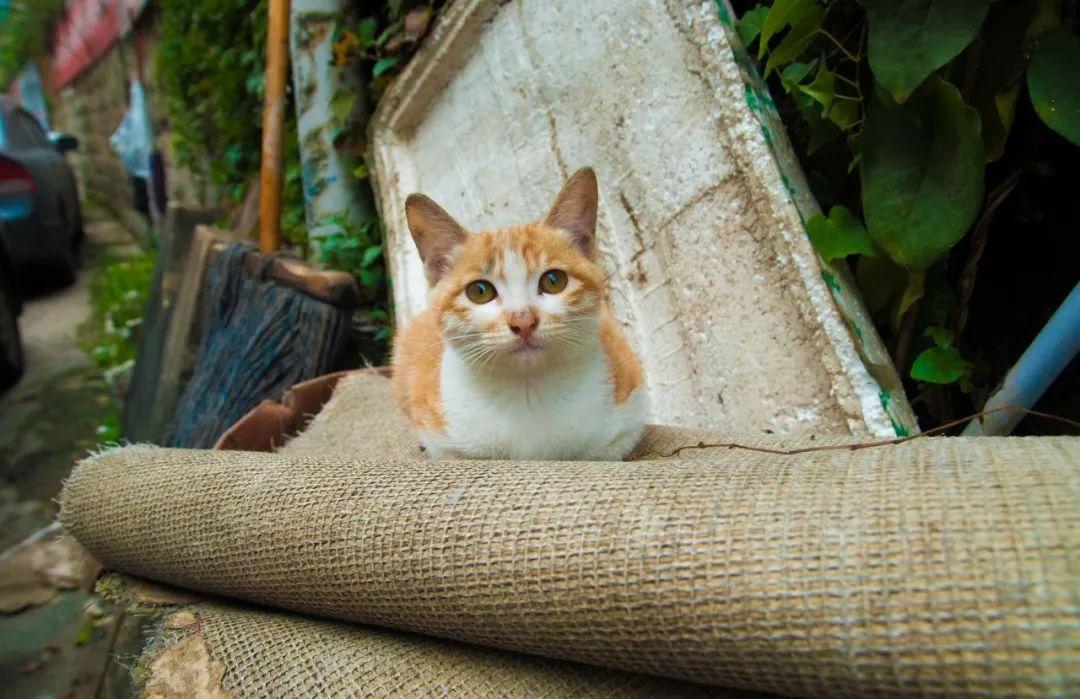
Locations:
(134, 139)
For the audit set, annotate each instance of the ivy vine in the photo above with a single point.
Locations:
(922, 97)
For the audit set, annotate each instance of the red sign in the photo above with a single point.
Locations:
(86, 31)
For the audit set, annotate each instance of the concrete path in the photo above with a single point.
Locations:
(48, 421)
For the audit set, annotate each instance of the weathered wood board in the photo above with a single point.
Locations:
(739, 323)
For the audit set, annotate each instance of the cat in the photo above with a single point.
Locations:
(518, 355)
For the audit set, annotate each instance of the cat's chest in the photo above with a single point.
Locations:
(552, 416)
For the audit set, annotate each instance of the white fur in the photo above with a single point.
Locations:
(566, 413)
(556, 402)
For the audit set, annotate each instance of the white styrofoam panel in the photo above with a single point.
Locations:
(709, 266)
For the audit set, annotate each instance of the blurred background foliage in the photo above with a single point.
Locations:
(932, 131)
(27, 26)
(119, 292)
(209, 64)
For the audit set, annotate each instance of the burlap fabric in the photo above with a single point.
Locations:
(937, 566)
(268, 654)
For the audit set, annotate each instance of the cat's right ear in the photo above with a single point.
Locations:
(435, 233)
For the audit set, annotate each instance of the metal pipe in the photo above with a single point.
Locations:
(1045, 358)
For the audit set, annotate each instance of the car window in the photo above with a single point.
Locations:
(17, 138)
(33, 133)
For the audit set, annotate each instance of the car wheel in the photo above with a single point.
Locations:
(11, 351)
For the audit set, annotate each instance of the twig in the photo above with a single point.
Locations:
(121, 617)
(840, 46)
(979, 238)
(907, 331)
(849, 81)
(865, 445)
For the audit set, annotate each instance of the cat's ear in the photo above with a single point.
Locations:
(435, 233)
(574, 211)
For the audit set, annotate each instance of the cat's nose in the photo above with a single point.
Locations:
(523, 324)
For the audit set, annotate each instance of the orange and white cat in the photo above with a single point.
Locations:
(517, 355)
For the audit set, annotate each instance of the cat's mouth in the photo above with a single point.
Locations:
(525, 347)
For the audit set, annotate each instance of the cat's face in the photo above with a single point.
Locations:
(518, 298)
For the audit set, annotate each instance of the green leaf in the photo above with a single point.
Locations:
(383, 65)
(913, 291)
(839, 235)
(844, 113)
(942, 337)
(365, 32)
(880, 280)
(370, 255)
(943, 303)
(1053, 83)
(749, 25)
(783, 13)
(341, 105)
(360, 172)
(997, 120)
(794, 73)
(822, 88)
(86, 633)
(921, 173)
(1001, 64)
(910, 39)
(394, 28)
(796, 41)
(941, 365)
(822, 130)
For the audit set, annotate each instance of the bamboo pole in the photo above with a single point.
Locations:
(277, 62)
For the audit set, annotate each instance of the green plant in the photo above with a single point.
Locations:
(909, 103)
(383, 40)
(209, 63)
(24, 33)
(357, 249)
(119, 292)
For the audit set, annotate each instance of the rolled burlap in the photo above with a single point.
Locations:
(936, 566)
(268, 654)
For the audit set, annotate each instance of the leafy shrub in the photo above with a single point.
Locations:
(356, 249)
(901, 108)
(119, 292)
(210, 66)
(24, 32)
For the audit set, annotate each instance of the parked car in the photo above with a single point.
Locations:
(11, 352)
(39, 200)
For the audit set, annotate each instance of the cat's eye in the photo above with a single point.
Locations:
(480, 291)
(553, 281)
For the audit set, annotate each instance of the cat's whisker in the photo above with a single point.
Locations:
(569, 387)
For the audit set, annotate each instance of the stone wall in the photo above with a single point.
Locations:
(91, 108)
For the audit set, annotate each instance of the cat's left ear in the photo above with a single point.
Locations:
(574, 211)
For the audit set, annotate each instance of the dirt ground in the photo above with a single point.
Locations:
(49, 420)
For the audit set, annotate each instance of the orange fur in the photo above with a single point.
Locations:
(573, 322)
(418, 349)
(417, 354)
(627, 373)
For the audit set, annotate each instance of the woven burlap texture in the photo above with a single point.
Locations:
(936, 566)
(269, 654)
